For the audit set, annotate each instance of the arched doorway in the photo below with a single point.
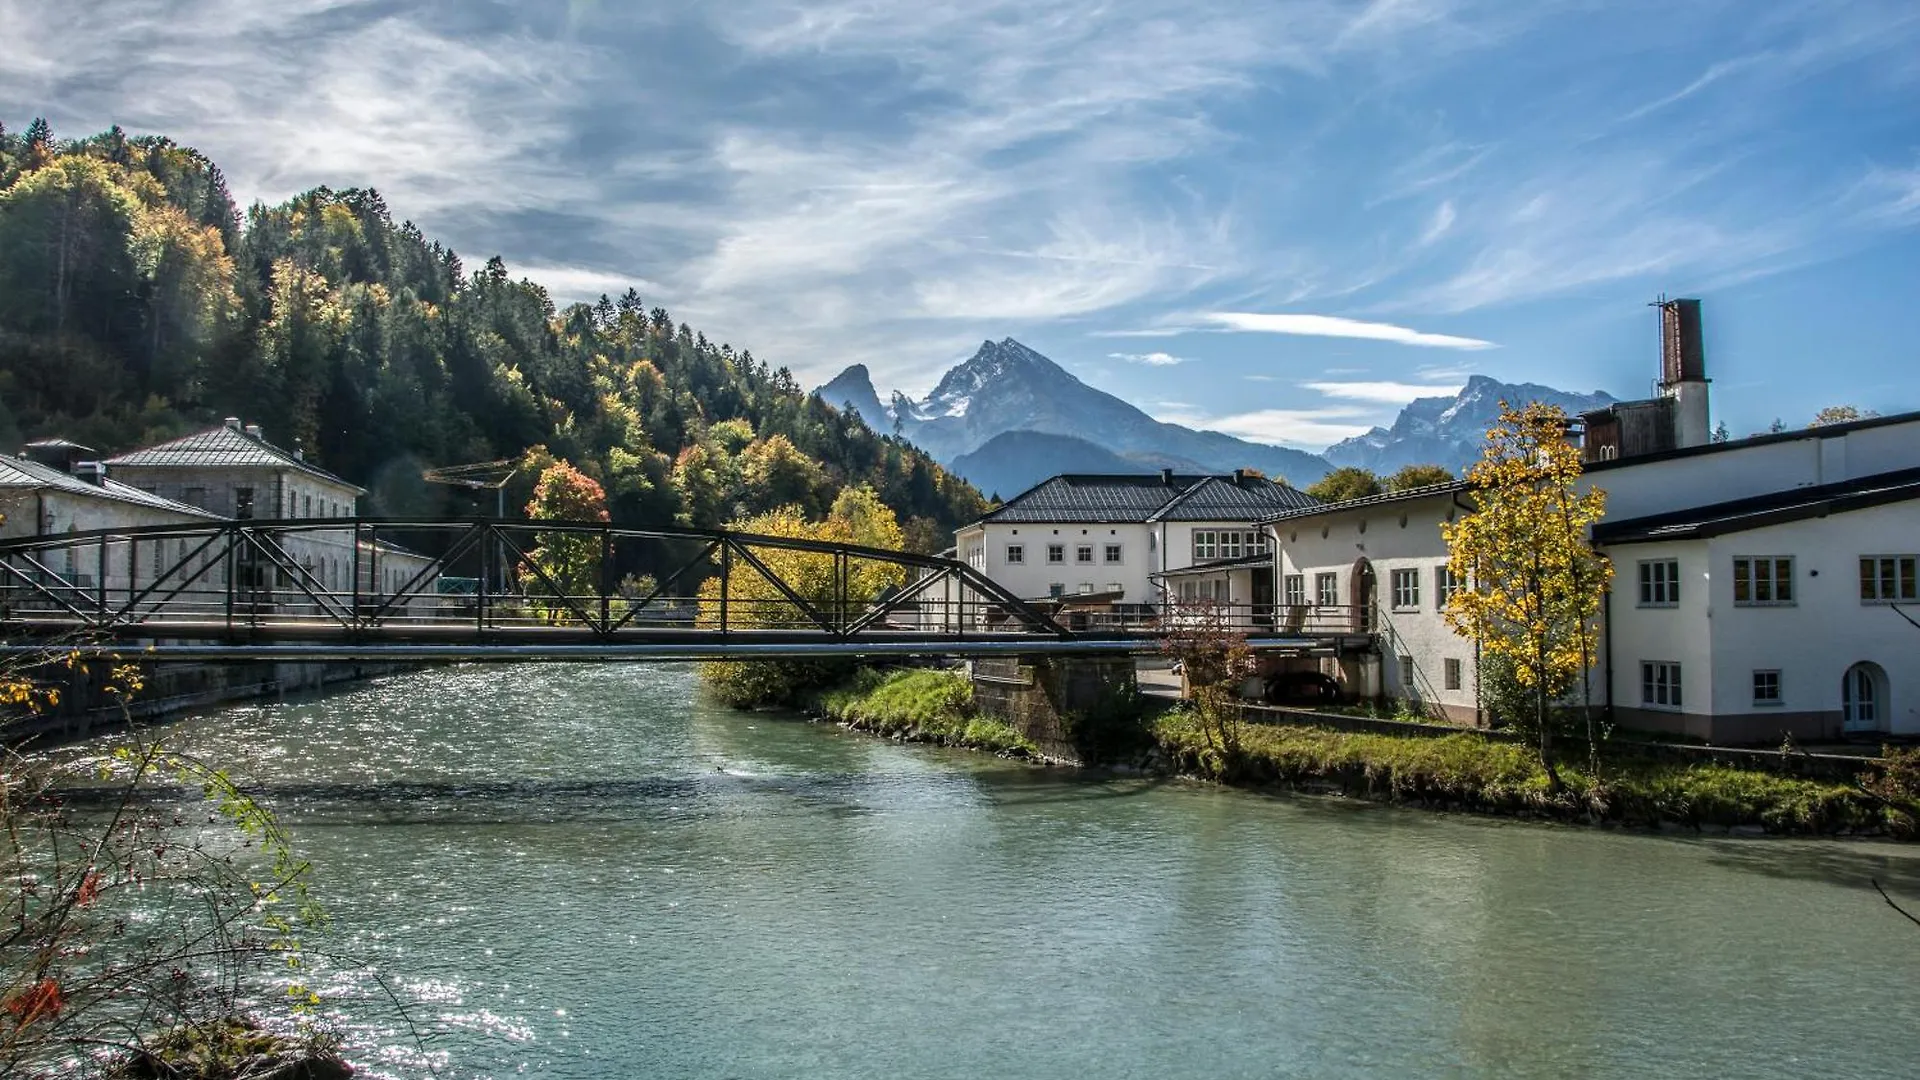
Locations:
(1863, 698)
(1363, 591)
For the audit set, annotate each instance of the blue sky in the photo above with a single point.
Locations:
(1281, 219)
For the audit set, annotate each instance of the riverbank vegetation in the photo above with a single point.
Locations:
(134, 941)
(1470, 772)
(921, 705)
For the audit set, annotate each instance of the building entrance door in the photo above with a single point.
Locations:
(1862, 698)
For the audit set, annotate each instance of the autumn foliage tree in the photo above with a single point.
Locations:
(1345, 482)
(857, 517)
(1534, 584)
(565, 563)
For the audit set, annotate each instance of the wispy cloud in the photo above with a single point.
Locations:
(1333, 326)
(1384, 393)
(1315, 428)
(1152, 359)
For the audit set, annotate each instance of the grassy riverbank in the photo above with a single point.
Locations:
(921, 705)
(1468, 772)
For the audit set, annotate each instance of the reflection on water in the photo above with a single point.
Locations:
(583, 871)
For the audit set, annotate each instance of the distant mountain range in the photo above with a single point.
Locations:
(1450, 430)
(1008, 417)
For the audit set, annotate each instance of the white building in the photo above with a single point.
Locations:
(233, 471)
(1775, 615)
(1757, 581)
(52, 491)
(1109, 538)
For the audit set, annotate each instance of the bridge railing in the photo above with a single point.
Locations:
(482, 577)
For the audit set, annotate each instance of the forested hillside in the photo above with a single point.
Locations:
(137, 302)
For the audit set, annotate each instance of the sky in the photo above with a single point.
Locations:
(1281, 219)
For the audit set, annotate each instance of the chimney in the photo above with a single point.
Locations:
(1239, 478)
(253, 431)
(1683, 371)
(299, 452)
(1166, 477)
(232, 422)
(93, 472)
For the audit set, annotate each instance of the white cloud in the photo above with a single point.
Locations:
(1442, 223)
(1314, 428)
(1152, 359)
(567, 284)
(1384, 393)
(1333, 326)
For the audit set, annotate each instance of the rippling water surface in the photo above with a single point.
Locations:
(585, 871)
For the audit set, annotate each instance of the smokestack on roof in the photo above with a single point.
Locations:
(1166, 476)
(232, 422)
(253, 431)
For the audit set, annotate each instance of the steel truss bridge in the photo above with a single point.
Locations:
(396, 589)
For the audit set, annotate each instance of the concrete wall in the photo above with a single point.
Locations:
(1074, 708)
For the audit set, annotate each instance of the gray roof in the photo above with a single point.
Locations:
(1759, 511)
(24, 473)
(222, 447)
(1143, 497)
(1448, 488)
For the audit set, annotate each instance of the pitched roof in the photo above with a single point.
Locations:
(28, 474)
(222, 447)
(1448, 488)
(1759, 511)
(1142, 497)
(1218, 498)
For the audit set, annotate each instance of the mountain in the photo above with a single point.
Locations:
(1007, 387)
(854, 387)
(1006, 464)
(1450, 430)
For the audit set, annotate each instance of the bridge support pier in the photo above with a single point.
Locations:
(1079, 710)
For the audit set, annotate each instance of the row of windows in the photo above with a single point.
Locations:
(1057, 553)
(1767, 580)
(1403, 588)
(1660, 685)
(1227, 543)
(1059, 588)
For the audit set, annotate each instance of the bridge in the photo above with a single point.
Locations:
(398, 589)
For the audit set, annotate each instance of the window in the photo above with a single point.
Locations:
(1295, 590)
(1083, 553)
(1406, 590)
(1258, 543)
(1230, 544)
(194, 496)
(1326, 589)
(1660, 583)
(1056, 553)
(1406, 674)
(1763, 581)
(307, 510)
(1112, 553)
(243, 503)
(1766, 688)
(1086, 586)
(1116, 588)
(1016, 554)
(1886, 579)
(1057, 589)
(1660, 684)
(1206, 544)
(1453, 674)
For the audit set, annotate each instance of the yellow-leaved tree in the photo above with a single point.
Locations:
(857, 517)
(1532, 583)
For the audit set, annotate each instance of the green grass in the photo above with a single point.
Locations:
(923, 705)
(1468, 772)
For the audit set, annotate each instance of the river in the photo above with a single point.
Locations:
(585, 871)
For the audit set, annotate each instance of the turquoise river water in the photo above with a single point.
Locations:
(586, 871)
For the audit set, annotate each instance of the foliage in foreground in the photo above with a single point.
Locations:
(1468, 772)
(923, 705)
(124, 929)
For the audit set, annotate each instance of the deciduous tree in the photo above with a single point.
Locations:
(1534, 582)
(1417, 476)
(564, 561)
(1345, 482)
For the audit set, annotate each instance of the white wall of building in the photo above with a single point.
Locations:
(1391, 536)
(1811, 642)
